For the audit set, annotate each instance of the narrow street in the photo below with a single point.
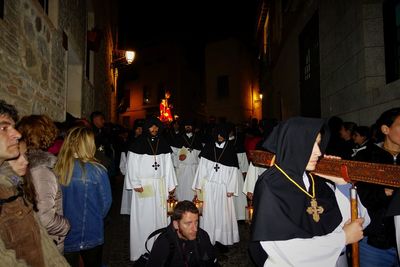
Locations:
(116, 247)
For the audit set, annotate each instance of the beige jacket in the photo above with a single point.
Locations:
(48, 195)
(8, 256)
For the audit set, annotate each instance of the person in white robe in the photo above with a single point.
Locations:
(127, 193)
(299, 219)
(251, 178)
(216, 180)
(151, 176)
(186, 150)
(240, 201)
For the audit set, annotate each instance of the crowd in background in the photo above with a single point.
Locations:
(65, 170)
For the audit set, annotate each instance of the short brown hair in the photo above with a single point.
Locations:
(39, 131)
(181, 208)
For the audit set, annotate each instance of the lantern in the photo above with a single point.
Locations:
(171, 203)
(249, 212)
(199, 204)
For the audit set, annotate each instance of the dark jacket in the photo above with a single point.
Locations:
(170, 250)
(381, 231)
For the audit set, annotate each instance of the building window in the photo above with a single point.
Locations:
(223, 86)
(45, 5)
(307, 65)
(1, 9)
(391, 20)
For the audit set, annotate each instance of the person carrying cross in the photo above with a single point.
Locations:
(151, 175)
(301, 219)
(217, 180)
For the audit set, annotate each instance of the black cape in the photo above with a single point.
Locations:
(279, 206)
(193, 142)
(142, 144)
(213, 153)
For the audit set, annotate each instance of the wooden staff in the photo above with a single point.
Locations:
(350, 171)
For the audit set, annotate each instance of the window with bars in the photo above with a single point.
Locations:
(307, 65)
(391, 20)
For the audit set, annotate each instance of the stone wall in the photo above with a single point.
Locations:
(353, 84)
(32, 60)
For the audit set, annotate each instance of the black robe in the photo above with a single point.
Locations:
(279, 206)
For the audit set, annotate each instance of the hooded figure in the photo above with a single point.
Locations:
(216, 180)
(151, 175)
(295, 211)
(186, 150)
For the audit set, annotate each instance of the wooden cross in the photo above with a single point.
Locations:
(315, 210)
(155, 165)
(216, 167)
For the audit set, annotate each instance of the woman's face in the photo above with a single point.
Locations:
(315, 154)
(20, 164)
(392, 133)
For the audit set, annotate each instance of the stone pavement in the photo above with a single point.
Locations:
(116, 247)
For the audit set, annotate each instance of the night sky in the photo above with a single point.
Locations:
(144, 22)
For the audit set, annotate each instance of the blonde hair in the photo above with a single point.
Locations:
(79, 144)
(39, 131)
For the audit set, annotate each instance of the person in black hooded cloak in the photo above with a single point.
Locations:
(299, 218)
(151, 175)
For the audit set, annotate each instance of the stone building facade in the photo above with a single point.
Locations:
(46, 66)
(325, 58)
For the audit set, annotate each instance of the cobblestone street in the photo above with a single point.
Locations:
(116, 247)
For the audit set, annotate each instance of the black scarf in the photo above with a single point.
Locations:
(279, 206)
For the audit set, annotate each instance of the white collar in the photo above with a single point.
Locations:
(220, 145)
(189, 135)
(231, 138)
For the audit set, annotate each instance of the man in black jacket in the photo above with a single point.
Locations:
(184, 243)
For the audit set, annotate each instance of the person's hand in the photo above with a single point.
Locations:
(388, 192)
(229, 194)
(336, 179)
(353, 230)
(172, 192)
(139, 190)
(250, 195)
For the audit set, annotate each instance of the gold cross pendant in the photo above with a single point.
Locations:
(315, 210)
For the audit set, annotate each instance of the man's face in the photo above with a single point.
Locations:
(220, 138)
(9, 137)
(187, 226)
(188, 128)
(99, 121)
(138, 131)
(153, 130)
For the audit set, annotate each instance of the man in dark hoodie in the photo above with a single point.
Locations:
(183, 243)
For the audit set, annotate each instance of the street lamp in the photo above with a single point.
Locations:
(122, 58)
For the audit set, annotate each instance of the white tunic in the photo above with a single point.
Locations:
(397, 226)
(185, 171)
(317, 251)
(126, 194)
(149, 210)
(219, 218)
(240, 201)
(251, 178)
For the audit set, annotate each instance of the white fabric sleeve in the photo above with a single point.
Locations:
(397, 226)
(131, 178)
(122, 163)
(309, 252)
(251, 179)
(243, 162)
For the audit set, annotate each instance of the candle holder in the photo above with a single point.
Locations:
(199, 204)
(171, 203)
(249, 212)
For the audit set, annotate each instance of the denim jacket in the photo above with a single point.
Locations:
(86, 201)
